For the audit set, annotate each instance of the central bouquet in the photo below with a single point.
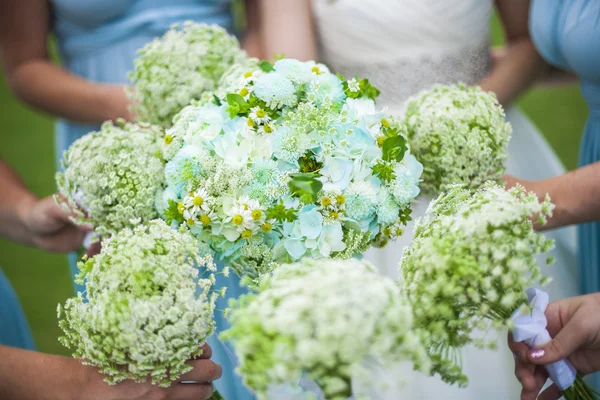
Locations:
(287, 161)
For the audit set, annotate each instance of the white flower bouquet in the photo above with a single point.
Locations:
(111, 176)
(467, 268)
(294, 162)
(459, 134)
(326, 319)
(181, 66)
(143, 315)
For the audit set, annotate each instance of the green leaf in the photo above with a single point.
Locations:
(394, 148)
(385, 171)
(266, 66)
(306, 186)
(237, 104)
(280, 213)
(216, 100)
(307, 163)
(172, 213)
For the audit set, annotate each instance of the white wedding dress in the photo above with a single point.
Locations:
(404, 46)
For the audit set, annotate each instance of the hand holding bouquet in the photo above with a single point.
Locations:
(143, 317)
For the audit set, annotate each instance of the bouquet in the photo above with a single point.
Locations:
(460, 136)
(112, 176)
(143, 315)
(471, 259)
(182, 65)
(469, 265)
(294, 162)
(312, 318)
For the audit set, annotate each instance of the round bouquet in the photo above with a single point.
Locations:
(143, 316)
(312, 318)
(182, 65)
(460, 135)
(296, 162)
(112, 176)
(472, 257)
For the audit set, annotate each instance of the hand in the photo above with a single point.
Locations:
(511, 181)
(204, 371)
(574, 323)
(118, 103)
(49, 226)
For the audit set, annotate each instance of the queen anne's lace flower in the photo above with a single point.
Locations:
(460, 136)
(179, 67)
(147, 310)
(471, 259)
(112, 176)
(313, 318)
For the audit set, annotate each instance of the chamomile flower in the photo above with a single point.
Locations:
(197, 202)
(266, 129)
(258, 115)
(240, 217)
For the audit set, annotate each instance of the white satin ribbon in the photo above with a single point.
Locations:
(530, 327)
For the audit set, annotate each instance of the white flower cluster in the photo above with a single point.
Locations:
(181, 66)
(112, 176)
(468, 266)
(322, 318)
(143, 316)
(459, 134)
(293, 162)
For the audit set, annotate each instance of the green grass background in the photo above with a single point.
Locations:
(27, 143)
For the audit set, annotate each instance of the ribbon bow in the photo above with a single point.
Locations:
(530, 327)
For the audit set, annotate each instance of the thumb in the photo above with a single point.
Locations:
(567, 341)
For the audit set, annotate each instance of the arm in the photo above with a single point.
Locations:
(252, 42)
(552, 76)
(576, 195)
(287, 28)
(34, 79)
(30, 375)
(521, 65)
(26, 219)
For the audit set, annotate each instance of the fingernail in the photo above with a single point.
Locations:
(537, 353)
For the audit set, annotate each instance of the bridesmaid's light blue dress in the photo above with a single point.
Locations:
(14, 330)
(567, 34)
(98, 40)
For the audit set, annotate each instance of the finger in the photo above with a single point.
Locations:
(525, 375)
(570, 338)
(203, 371)
(518, 348)
(93, 249)
(206, 352)
(540, 378)
(192, 391)
(52, 209)
(552, 393)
